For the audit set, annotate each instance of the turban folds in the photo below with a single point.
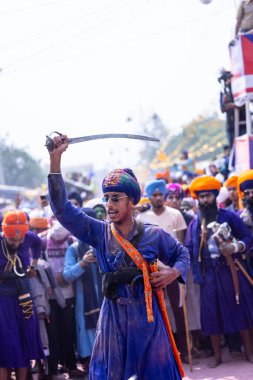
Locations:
(175, 189)
(39, 223)
(203, 184)
(231, 181)
(245, 182)
(143, 201)
(157, 185)
(122, 181)
(15, 224)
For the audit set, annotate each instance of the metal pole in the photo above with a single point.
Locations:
(236, 122)
(248, 119)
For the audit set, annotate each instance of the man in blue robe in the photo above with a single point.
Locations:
(126, 344)
(220, 311)
(19, 327)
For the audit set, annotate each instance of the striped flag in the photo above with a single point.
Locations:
(241, 55)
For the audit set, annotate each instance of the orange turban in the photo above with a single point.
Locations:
(39, 223)
(205, 183)
(15, 224)
(231, 181)
(244, 182)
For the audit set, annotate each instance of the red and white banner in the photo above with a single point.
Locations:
(241, 55)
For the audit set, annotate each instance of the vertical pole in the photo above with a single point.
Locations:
(188, 338)
(248, 119)
(236, 122)
(2, 182)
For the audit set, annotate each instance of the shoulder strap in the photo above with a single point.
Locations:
(142, 264)
(136, 239)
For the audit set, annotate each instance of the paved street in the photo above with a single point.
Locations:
(230, 369)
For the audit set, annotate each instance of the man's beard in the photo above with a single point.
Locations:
(249, 205)
(208, 212)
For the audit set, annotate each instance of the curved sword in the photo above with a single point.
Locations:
(73, 140)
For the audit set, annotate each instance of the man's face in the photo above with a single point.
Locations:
(14, 243)
(75, 202)
(248, 197)
(157, 199)
(101, 212)
(233, 194)
(206, 198)
(174, 200)
(227, 152)
(119, 207)
(208, 207)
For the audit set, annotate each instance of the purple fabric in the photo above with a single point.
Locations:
(126, 345)
(125, 342)
(219, 311)
(174, 189)
(19, 337)
(246, 185)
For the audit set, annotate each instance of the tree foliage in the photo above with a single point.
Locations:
(152, 126)
(19, 168)
(203, 138)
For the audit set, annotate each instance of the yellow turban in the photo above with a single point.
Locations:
(205, 183)
(231, 181)
(15, 224)
(144, 200)
(244, 182)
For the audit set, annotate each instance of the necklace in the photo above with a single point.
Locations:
(11, 259)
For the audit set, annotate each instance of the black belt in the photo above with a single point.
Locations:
(111, 280)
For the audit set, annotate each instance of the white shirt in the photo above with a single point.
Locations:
(171, 220)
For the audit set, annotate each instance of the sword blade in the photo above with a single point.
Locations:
(74, 140)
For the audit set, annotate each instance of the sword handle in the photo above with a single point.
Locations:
(50, 142)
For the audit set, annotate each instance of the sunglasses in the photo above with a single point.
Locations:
(113, 198)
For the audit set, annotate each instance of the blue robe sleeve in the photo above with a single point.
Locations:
(192, 243)
(174, 254)
(83, 227)
(72, 269)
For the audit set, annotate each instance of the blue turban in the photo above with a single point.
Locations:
(246, 185)
(122, 181)
(157, 185)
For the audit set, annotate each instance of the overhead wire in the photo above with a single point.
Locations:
(59, 26)
(74, 36)
(34, 6)
(93, 28)
(142, 37)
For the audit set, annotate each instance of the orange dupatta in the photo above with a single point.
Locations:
(142, 264)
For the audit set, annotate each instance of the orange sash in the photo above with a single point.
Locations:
(141, 263)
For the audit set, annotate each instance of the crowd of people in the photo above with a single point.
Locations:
(137, 283)
(98, 288)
